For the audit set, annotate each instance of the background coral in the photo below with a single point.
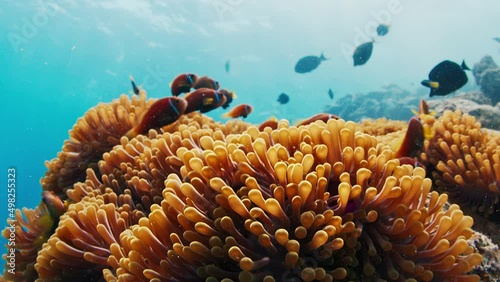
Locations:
(487, 75)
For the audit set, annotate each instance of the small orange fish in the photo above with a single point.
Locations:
(229, 97)
(206, 82)
(204, 100)
(182, 83)
(272, 122)
(162, 112)
(54, 204)
(322, 116)
(242, 110)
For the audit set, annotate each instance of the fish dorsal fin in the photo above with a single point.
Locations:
(464, 66)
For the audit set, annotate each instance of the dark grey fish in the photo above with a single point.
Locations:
(363, 53)
(227, 66)
(330, 93)
(382, 29)
(134, 86)
(497, 39)
(309, 63)
(446, 78)
(283, 98)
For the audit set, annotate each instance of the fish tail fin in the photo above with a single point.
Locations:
(464, 66)
(226, 115)
(415, 112)
(233, 94)
(131, 78)
(322, 57)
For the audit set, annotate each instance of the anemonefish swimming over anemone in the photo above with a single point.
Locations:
(182, 83)
(242, 110)
(204, 100)
(161, 113)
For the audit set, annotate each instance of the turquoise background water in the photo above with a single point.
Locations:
(59, 58)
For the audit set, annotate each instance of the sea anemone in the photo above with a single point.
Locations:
(204, 201)
(30, 229)
(280, 204)
(93, 134)
(466, 161)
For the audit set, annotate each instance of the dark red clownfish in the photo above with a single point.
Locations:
(242, 110)
(162, 112)
(204, 100)
(272, 122)
(322, 116)
(206, 82)
(412, 142)
(182, 83)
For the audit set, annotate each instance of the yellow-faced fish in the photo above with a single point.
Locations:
(446, 78)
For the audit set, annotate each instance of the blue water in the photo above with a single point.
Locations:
(59, 58)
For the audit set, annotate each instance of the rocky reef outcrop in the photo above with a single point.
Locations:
(487, 75)
(391, 101)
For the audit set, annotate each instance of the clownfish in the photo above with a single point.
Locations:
(204, 100)
(229, 97)
(322, 116)
(51, 209)
(206, 82)
(182, 83)
(242, 110)
(272, 122)
(412, 142)
(162, 112)
(423, 110)
(54, 204)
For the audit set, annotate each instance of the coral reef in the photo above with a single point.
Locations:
(487, 75)
(473, 103)
(390, 102)
(153, 190)
(480, 67)
(490, 84)
(205, 201)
